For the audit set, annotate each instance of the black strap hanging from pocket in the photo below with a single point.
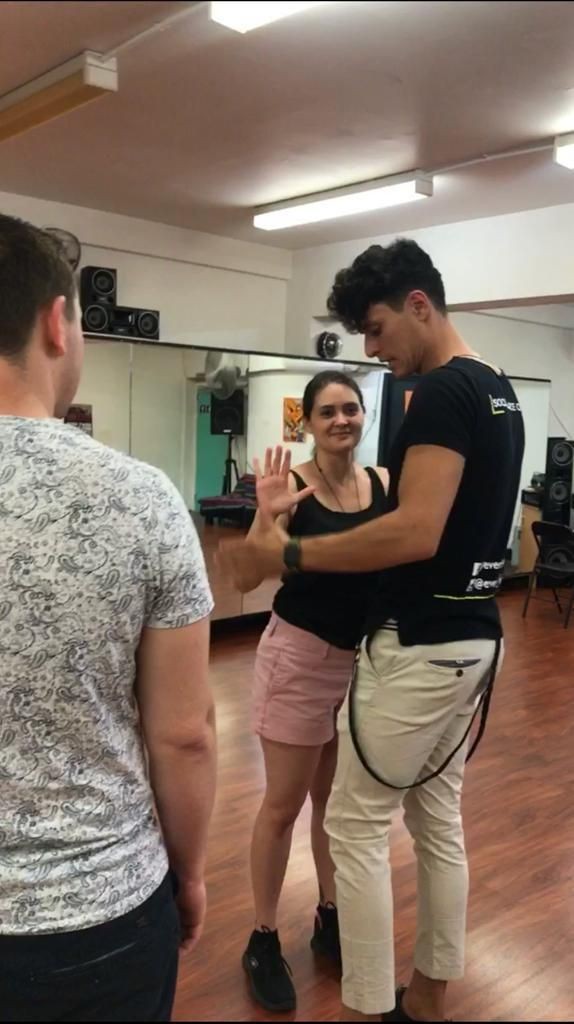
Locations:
(483, 707)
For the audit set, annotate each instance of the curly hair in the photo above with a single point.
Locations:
(384, 274)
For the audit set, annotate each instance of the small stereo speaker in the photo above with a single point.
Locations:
(98, 285)
(124, 321)
(96, 318)
(147, 323)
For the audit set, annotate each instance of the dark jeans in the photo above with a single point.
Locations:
(124, 970)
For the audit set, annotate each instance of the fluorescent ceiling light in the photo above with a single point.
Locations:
(66, 87)
(564, 151)
(243, 17)
(343, 202)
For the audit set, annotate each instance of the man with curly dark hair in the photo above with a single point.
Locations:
(434, 639)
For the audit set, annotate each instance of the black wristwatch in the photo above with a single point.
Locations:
(292, 555)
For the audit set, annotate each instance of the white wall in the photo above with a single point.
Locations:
(154, 400)
(553, 314)
(534, 398)
(512, 258)
(267, 390)
(161, 400)
(371, 385)
(201, 306)
(273, 379)
(212, 292)
(528, 350)
(217, 292)
(158, 409)
(189, 443)
(105, 386)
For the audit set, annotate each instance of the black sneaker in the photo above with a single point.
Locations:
(326, 941)
(269, 974)
(398, 1014)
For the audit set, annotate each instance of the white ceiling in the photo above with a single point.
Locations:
(209, 123)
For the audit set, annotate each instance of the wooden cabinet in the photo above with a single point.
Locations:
(229, 603)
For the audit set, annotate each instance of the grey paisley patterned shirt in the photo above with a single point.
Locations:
(93, 547)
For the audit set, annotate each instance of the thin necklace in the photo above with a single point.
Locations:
(337, 499)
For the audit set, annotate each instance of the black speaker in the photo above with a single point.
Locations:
(557, 500)
(228, 414)
(124, 321)
(98, 285)
(96, 318)
(147, 323)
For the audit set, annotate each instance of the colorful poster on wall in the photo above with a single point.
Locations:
(81, 416)
(293, 430)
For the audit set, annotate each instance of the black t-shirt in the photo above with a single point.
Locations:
(467, 407)
(331, 605)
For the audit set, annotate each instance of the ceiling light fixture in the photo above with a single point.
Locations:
(564, 151)
(243, 17)
(342, 202)
(64, 88)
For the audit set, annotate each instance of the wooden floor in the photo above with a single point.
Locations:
(519, 811)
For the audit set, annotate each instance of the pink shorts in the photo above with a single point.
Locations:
(300, 682)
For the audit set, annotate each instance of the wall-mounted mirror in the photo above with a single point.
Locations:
(202, 415)
(534, 344)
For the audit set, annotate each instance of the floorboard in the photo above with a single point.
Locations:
(519, 812)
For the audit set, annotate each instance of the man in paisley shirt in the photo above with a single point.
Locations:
(107, 735)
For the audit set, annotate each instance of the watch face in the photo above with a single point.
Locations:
(291, 554)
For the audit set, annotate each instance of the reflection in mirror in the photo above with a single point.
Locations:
(534, 345)
(232, 428)
(105, 386)
(201, 416)
(237, 406)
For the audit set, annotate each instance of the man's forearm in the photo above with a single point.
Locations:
(384, 542)
(251, 577)
(183, 782)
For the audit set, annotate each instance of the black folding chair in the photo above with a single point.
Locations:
(555, 564)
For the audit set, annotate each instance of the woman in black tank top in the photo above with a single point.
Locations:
(303, 667)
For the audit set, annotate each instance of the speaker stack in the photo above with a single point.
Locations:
(557, 499)
(101, 313)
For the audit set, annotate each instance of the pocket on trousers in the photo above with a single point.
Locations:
(454, 664)
(151, 937)
(112, 959)
(380, 659)
(467, 677)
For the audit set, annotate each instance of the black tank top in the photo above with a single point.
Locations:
(332, 605)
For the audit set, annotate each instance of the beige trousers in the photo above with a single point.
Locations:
(412, 707)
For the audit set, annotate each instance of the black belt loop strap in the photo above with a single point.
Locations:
(483, 707)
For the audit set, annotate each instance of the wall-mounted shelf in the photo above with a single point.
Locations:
(135, 341)
(212, 348)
